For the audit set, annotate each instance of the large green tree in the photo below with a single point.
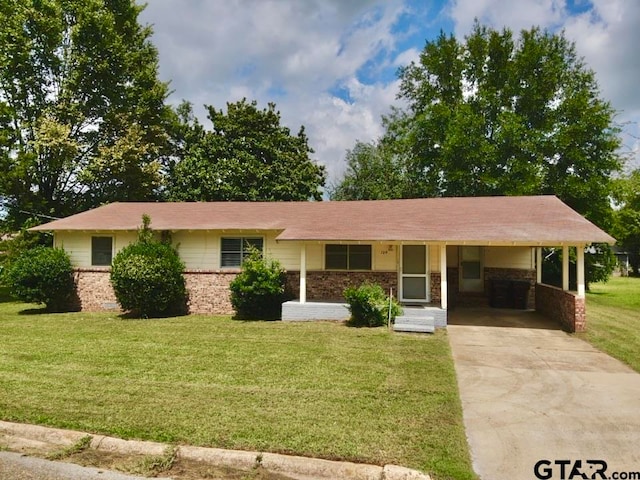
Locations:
(82, 112)
(494, 115)
(627, 225)
(373, 172)
(247, 156)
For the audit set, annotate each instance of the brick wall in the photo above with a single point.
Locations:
(208, 291)
(94, 290)
(435, 288)
(564, 307)
(329, 285)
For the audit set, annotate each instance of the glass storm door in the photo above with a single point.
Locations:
(414, 281)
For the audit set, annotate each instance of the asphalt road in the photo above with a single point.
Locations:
(14, 466)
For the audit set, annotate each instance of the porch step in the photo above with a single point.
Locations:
(423, 324)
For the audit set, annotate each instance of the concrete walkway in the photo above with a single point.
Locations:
(531, 392)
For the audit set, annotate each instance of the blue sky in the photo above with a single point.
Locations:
(331, 65)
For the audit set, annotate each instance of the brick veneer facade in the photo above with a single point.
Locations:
(329, 285)
(94, 290)
(208, 290)
(564, 307)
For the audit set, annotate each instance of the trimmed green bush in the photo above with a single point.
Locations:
(147, 277)
(259, 289)
(369, 305)
(42, 275)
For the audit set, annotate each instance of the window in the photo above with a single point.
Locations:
(101, 251)
(347, 257)
(235, 249)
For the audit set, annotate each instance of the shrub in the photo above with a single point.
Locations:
(147, 277)
(259, 289)
(42, 275)
(369, 305)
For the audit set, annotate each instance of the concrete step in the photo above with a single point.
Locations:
(418, 311)
(424, 323)
(423, 320)
(413, 327)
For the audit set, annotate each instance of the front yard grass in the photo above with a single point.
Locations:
(613, 319)
(316, 389)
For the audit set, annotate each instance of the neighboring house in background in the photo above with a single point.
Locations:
(437, 252)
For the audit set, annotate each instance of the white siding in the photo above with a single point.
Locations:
(287, 253)
(199, 250)
(78, 244)
(384, 257)
(315, 256)
(434, 258)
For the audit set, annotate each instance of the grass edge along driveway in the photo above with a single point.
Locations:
(613, 319)
(314, 389)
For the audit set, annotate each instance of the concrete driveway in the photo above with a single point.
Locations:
(531, 392)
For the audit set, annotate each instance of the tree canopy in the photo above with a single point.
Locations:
(627, 224)
(247, 156)
(373, 173)
(82, 112)
(494, 115)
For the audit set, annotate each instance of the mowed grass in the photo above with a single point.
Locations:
(613, 319)
(315, 389)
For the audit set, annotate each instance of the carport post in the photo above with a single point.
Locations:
(539, 265)
(580, 270)
(443, 277)
(565, 268)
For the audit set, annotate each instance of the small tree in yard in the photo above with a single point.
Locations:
(42, 275)
(258, 291)
(369, 305)
(147, 276)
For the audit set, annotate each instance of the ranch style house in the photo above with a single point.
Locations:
(434, 253)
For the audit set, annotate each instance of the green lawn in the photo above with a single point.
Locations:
(613, 319)
(318, 389)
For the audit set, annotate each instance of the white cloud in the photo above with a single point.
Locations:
(286, 51)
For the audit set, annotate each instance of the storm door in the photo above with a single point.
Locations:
(414, 275)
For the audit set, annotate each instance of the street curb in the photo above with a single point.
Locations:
(300, 467)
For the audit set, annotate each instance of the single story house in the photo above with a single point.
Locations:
(432, 252)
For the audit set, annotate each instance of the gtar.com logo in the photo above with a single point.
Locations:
(578, 469)
(570, 469)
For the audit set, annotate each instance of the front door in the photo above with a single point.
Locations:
(414, 275)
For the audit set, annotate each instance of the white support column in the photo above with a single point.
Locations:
(539, 264)
(580, 270)
(565, 268)
(443, 277)
(303, 273)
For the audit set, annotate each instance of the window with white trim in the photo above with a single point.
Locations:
(347, 257)
(233, 250)
(101, 251)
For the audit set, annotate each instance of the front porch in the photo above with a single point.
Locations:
(504, 276)
(414, 318)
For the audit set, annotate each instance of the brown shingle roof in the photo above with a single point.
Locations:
(528, 220)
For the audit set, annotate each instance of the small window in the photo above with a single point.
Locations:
(234, 250)
(347, 257)
(101, 251)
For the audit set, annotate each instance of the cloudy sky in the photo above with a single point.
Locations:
(330, 65)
